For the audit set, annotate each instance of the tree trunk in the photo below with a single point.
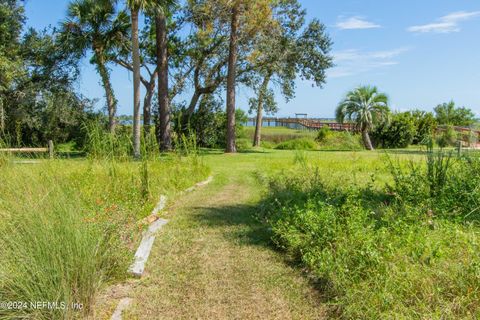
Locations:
(193, 102)
(136, 86)
(258, 125)
(366, 139)
(231, 81)
(163, 134)
(147, 107)
(185, 119)
(109, 95)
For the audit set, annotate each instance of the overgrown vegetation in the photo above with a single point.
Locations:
(70, 227)
(407, 248)
(339, 141)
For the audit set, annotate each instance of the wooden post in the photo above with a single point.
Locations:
(50, 149)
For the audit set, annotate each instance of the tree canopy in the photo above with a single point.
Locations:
(448, 114)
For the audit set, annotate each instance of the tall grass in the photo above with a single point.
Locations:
(379, 252)
(69, 227)
(102, 144)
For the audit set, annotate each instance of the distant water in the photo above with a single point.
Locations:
(274, 123)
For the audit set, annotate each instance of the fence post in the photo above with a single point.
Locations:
(50, 149)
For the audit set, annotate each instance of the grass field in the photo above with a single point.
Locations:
(256, 243)
(69, 227)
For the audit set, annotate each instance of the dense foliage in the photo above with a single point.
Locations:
(404, 251)
(398, 132)
(448, 114)
(425, 126)
(208, 124)
(38, 101)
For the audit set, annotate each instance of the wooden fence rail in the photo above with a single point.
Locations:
(49, 149)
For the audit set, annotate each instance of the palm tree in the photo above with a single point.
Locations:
(364, 106)
(93, 25)
(163, 133)
(135, 7)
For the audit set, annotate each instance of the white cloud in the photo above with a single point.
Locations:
(351, 62)
(446, 24)
(356, 23)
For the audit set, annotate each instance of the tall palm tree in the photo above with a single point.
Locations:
(364, 106)
(163, 132)
(94, 25)
(135, 7)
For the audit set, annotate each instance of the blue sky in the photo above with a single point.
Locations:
(421, 53)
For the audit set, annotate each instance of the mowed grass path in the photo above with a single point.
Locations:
(213, 259)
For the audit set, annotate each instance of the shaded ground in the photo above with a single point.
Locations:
(213, 260)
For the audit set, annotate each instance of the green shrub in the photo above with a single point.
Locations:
(446, 186)
(267, 145)
(208, 123)
(397, 133)
(323, 134)
(342, 141)
(447, 138)
(376, 258)
(243, 144)
(298, 144)
(425, 126)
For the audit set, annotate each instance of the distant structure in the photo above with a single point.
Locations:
(302, 122)
(301, 115)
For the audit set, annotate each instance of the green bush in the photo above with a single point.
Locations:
(268, 145)
(208, 124)
(446, 185)
(298, 144)
(447, 138)
(399, 132)
(425, 126)
(243, 144)
(375, 256)
(323, 134)
(342, 141)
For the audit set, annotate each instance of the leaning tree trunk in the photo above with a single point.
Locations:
(258, 125)
(366, 139)
(231, 79)
(109, 95)
(136, 86)
(163, 134)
